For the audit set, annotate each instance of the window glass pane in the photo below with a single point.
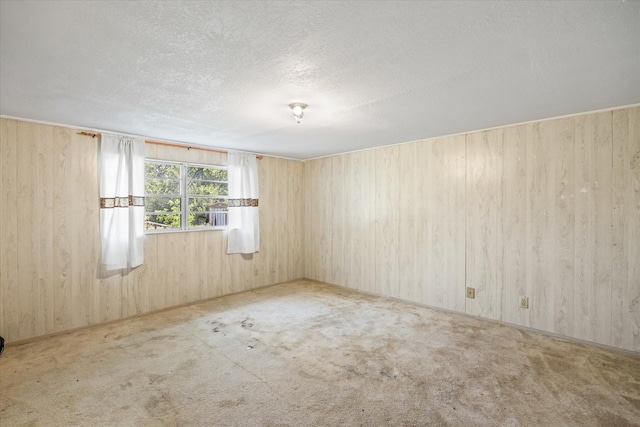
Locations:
(207, 188)
(206, 181)
(207, 212)
(162, 178)
(161, 170)
(203, 204)
(207, 174)
(162, 186)
(197, 220)
(210, 219)
(157, 204)
(218, 219)
(169, 221)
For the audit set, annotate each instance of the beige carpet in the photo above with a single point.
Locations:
(308, 354)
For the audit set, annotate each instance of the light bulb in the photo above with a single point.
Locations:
(298, 110)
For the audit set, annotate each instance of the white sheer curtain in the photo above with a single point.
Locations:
(121, 201)
(244, 221)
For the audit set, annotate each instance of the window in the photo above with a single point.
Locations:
(184, 196)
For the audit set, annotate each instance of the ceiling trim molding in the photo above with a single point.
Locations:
(480, 130)
(171, 141)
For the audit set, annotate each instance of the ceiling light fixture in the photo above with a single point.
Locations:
(298, 110)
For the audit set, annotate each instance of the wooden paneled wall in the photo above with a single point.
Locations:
(50, 277)
(548, 210)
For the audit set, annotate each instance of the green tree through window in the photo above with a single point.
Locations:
(182, 196)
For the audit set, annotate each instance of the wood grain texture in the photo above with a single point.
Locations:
(543, 227)
(10, 314)
(337, 239)
(295, 241)
(546, 210)
(454, 219)
(483, 208)
(515, 246)
(360, 227)
(427, 290)
(279, 198)
(593, 227)
(388, 210)
(44, 222)
(51, 280)
(626, 229)
(27, 202)
(311, 226)
(564, 225)
(328, 203)
(323, 204)
(62, 235)
(441, 222)
(407, 221)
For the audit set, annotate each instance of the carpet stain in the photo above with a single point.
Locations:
(217, 326)
(155, 378)
(163, 337)
(188, 364)
(633, 401)
(161, 408)
(231, 403)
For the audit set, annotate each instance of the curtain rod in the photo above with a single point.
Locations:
(169, 144)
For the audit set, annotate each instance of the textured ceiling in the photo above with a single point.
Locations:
(373, 73)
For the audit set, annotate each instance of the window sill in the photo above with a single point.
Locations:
(196, 230)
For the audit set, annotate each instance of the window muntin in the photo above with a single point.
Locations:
(185, 196)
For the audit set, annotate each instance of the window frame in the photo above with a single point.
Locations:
(184, 196)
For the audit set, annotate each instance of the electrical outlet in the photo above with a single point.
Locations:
(471, 293)
(524, 302)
